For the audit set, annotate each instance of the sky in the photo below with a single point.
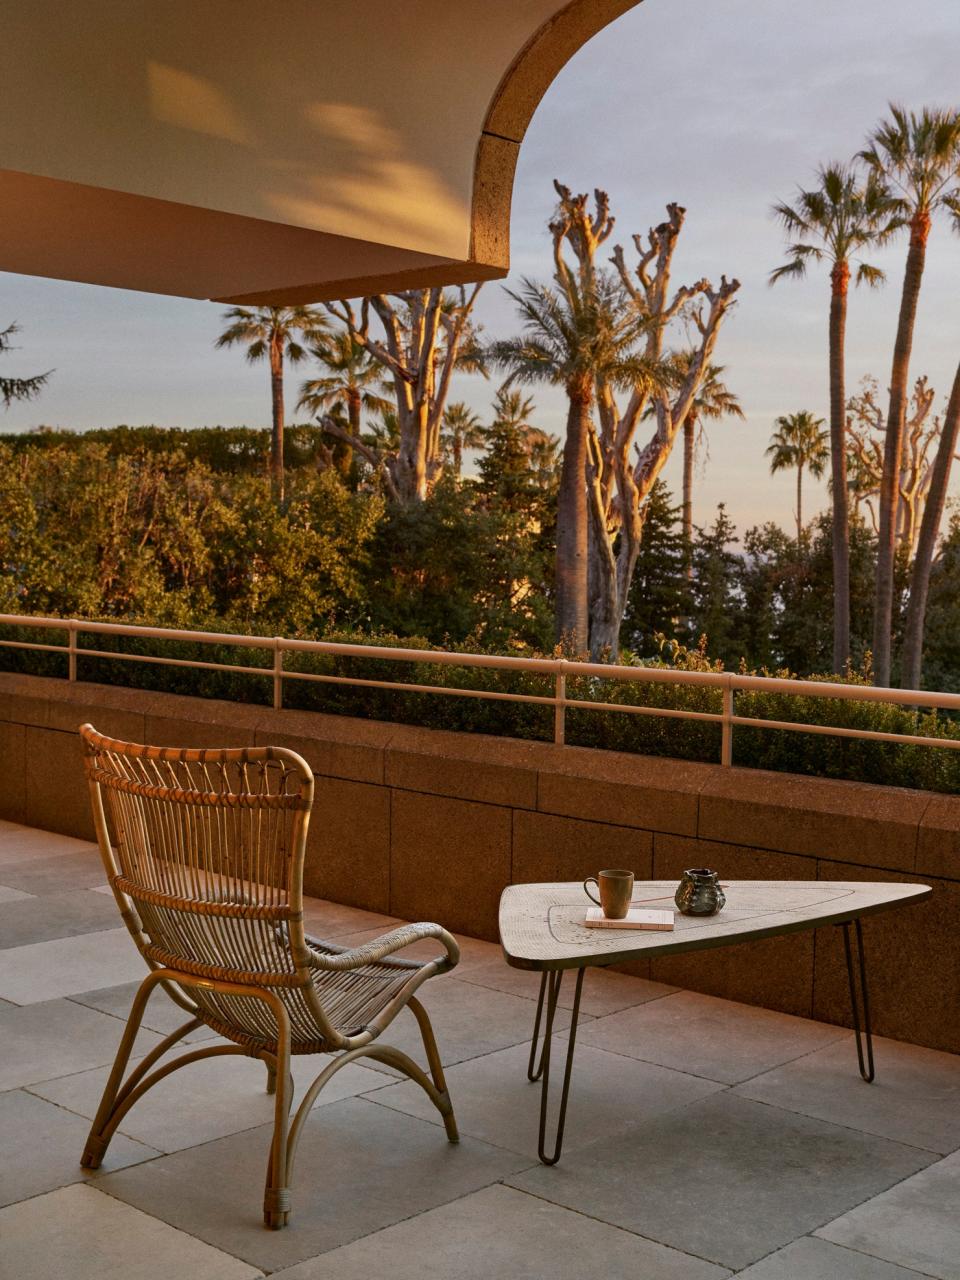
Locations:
(725, 106)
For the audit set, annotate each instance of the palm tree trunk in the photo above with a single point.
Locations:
(689, 441)
(840, 277)
(799, 505)
(276, 388)
(572, 614)
(926, 544)
(893, 447)
(343, 454)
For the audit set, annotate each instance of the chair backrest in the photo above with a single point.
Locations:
(207, 848)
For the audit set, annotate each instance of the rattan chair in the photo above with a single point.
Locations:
(204, 851)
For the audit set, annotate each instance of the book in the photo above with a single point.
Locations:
(636, 918)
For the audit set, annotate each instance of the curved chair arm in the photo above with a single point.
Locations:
(386, 945)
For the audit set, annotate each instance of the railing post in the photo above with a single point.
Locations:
(277, 673)
(72, 649)
(726, 728)
(560, 707)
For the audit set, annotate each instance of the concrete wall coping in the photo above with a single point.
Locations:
(890, 827)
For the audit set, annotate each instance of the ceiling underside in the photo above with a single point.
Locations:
(260, 153)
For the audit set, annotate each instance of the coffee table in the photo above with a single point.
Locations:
(541, 928)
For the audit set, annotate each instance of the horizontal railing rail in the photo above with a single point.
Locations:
(560, 669)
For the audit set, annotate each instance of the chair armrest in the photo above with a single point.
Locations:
(387, 945)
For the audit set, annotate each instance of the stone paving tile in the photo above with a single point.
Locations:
(915, 1224)
(812, 1259)
(502, 1233)
(326, 919)
(709, 1037)
(468, 1021)
(46, 1144)
(208, 1099)
(915, 1097)
(12, 895)
(65, 966)
(725, 1179)
(609, 1095)
(360, 1168)
(26, 844)
(80, 1233)
(603, 992)
(60, 874)
(161, 1013)
(56, 1038)
(55, 915)
(473, 951)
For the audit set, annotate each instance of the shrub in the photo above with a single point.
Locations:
(818, 755)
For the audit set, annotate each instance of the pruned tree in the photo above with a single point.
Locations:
(865, 444)
(426, 335)
(917, 154)
(19, 389)
(621, 473)
(926, 545)
(578, 331)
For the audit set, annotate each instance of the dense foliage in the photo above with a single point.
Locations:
(123, 525)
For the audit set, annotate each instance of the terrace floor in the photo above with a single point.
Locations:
(705, 1138)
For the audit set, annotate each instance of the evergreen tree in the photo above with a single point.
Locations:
(717, 602)
(659, 601)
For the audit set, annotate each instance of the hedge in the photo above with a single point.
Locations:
(896, 764)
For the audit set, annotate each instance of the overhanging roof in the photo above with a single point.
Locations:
(271, 153)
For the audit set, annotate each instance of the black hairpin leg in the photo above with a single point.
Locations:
(550, 987)
(861, 1030)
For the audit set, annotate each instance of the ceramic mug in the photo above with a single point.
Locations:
(616, 890)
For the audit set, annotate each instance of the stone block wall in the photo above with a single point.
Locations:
(425, 824)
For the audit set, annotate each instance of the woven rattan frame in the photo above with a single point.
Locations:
(204, 852)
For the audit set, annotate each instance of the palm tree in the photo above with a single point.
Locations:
(799, 441)
(354, 384)
(461, 429)
(918, 156)
(268, 333)
(512, 413)
(714, 400)
(834, 222)
(12, 389)
(573, 338)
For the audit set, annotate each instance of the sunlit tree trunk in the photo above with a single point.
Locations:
(424, 333)
(927, 542)
(890, 481)
(840, 278)
(689, 442)
(571, 611)
(276, 392)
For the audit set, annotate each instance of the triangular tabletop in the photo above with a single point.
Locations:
(542, 925)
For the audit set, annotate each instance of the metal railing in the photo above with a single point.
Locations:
(559, 669)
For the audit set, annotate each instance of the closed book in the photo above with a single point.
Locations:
(636, 918)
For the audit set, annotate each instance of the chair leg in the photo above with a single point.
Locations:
(271, 1077)
(276, 1198)
(97, 1143)
(445, 1107)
